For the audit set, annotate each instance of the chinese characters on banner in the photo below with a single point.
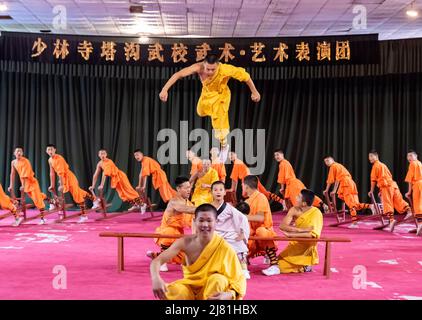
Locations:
(337, 50)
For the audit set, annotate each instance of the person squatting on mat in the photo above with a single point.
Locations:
(232, 225)
(302, 221)
(174, 220)
(211, 268)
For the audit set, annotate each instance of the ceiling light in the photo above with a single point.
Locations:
(143, 39)
(412, 13)
(3, 7)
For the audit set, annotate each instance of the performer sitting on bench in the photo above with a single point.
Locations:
(300, 256)
(211, 269)
(174, 219)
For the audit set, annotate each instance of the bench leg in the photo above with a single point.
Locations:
(327, 261)
(120, 255)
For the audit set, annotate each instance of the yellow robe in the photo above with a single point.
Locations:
(215, 97)
(203, 195)
(217, 269)
(299, 254)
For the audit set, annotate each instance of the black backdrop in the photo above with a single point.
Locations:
(307, 111)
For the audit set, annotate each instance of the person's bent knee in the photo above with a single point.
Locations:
(177, 291)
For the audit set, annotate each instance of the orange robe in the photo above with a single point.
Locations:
(68, 178)
(196, 166)
(119, 181)
(259, 203)
(240, 171)
(391, 196)
(32, 187)
(220, 168)
(414, 177)
(159, 178)
(5, 201)
(173, 223)
(347, 190)
(293, 186)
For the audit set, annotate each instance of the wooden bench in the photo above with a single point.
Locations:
(121, 235)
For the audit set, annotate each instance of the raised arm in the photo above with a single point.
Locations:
(195, 68)
(158, 285)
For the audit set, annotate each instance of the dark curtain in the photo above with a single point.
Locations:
(308, 117)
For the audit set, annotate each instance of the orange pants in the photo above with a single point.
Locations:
(5, 201)
(352, 202)
(34, 192)
(391, 199)
(417, 198)
(166, 192)
(259, 246)
(71, 185)
(164, 243)
(124, 189)
(293, 190)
